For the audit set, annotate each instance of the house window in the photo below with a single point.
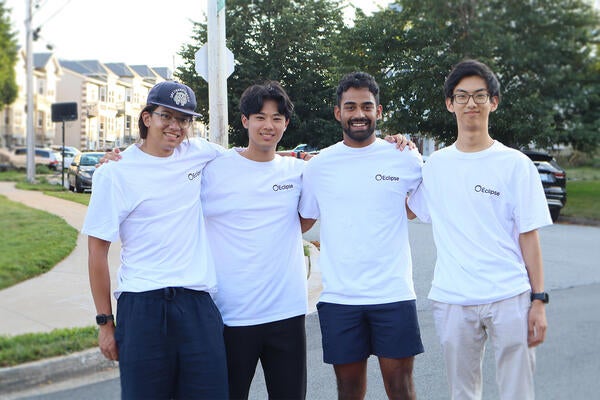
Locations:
(40, 119)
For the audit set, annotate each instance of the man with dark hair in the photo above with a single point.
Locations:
(250, 199)
(169, 334)
(357, 188)
(486, 203)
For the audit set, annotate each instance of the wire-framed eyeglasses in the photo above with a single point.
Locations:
(478, 98)
(184, 122)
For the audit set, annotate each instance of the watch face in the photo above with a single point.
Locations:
(103, 319)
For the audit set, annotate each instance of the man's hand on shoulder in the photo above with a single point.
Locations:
(113, 155)
(401, 141)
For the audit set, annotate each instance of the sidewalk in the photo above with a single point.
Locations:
(61, 297)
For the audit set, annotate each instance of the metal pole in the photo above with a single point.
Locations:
(30, 110)
(217, 80)
(63, 154)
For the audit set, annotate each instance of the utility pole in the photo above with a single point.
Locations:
(30, 110)
(217, 73)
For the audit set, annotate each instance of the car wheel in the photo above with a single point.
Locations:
(78, 187)
(554, 213)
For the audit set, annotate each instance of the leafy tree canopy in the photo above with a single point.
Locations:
(8, 59)
(284, 40)
(541, 50)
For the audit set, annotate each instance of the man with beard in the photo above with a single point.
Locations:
(357, 187)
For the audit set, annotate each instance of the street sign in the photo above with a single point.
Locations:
(201, 59)
(220, 5)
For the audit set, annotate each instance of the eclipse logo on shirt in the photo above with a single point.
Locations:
(482, 189)
(194, 175)
(285, 186)
(380, 177)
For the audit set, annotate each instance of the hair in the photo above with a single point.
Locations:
(254, 97)
(142, 127)
(468, 68)
(357, 80)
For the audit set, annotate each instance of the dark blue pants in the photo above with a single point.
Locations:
(170, 345)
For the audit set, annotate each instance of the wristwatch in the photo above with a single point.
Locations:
(102, 319)
(542, 296)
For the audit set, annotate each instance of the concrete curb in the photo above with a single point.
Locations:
(52, 370)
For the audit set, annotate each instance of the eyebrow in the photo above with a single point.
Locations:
(362, 104)
(475, 91)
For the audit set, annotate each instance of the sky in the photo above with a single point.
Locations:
(129, 31)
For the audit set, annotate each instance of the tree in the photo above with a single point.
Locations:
(290, 41)
(8, 59)
(541, 51)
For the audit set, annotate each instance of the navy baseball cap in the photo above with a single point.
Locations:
(173, 95)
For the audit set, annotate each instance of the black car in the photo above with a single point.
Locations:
(554, 180)
(81, 170)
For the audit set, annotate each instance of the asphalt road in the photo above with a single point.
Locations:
(567, 363)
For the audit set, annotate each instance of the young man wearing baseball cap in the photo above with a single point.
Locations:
(168, 336)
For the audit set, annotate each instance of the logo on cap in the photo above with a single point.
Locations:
(180, 97)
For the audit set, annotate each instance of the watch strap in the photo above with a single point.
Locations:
(542, 296)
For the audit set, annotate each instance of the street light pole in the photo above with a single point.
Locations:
(29, 64)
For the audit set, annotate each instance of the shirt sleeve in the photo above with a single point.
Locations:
(103, 216)
(418, 204)
(308, 206)
(531, 209)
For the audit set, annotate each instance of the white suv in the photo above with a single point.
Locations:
(43, 156)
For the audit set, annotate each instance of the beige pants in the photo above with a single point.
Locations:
(463, 331)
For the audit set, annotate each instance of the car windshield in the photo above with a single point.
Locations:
(90, 159)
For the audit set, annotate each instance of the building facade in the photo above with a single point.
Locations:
(109, 99)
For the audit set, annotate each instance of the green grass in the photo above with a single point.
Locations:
(583, 174)
(31, 242)
(20, 349)
(583, 199)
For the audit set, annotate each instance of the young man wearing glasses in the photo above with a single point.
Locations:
(169, 334)
(486, 203)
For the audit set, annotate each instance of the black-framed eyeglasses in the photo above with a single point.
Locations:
(478, 98)
(184, 122)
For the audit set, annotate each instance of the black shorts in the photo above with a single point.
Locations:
(281, 348)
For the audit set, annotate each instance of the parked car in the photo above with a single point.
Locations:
(554, 180)
(43, 156)
(306, 149)
(81, 170)
(69, 153)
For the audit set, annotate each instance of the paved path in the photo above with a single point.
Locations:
(61, 297)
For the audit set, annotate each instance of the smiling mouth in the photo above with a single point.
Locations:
(172, 135)
(359, 123)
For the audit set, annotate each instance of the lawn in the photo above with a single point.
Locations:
(583, 200)
(31, 242)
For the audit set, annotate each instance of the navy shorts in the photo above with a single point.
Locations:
(170, 345)
(351, 333)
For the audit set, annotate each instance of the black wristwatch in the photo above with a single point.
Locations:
(102, 319)
(542, 296)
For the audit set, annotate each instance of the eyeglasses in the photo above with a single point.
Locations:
(166, 119)
(478, 98)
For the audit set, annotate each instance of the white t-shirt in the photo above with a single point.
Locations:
(359, 195)
(153, 205)
(251, 211)
(478, 204)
